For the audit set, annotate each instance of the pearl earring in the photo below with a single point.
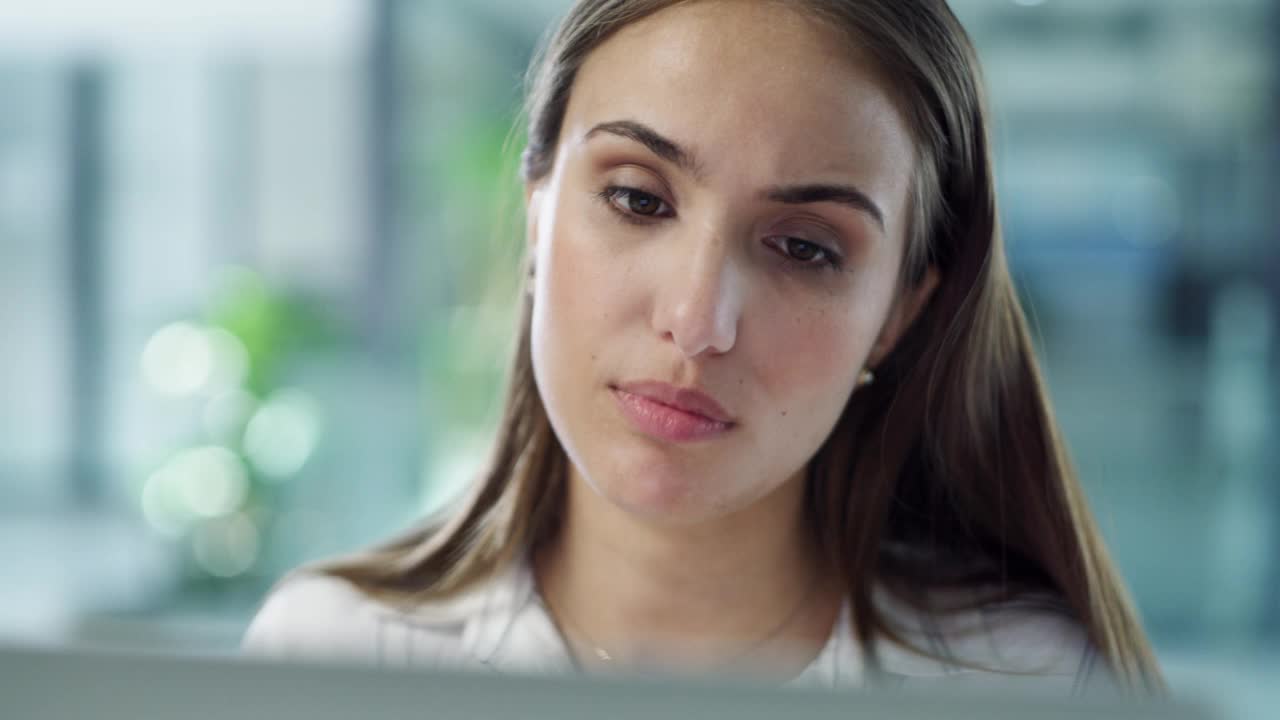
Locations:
(866, 377)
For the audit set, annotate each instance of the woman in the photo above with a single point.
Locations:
(774, 409)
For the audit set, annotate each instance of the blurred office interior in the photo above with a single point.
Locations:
(257, 260)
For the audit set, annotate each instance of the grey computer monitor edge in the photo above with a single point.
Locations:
(38, 683)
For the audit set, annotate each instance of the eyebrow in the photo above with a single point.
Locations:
(805, 194)
(815, 193)
(663, 147)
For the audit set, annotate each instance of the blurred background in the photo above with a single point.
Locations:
(257, 261)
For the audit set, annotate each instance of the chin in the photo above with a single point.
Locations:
(665, 498)
(659, 499)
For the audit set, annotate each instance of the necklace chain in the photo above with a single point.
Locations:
(607, 657)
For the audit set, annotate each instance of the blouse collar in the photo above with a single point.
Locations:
(512, 631)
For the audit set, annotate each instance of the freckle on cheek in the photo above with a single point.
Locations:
(784, 413)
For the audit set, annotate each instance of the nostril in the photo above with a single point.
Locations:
(698, 310)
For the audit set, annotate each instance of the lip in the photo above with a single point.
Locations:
(670, 413)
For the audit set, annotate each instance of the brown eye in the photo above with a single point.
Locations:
(636, 206)
(802, 250)
(642, 203)
(804, 254)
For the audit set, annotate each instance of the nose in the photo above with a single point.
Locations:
(699, 302)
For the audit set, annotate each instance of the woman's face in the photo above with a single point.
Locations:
(725, 221)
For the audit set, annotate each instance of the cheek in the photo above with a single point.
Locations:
(581, 286)
(580, 304)
(808, 363)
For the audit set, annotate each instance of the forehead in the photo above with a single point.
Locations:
(759, 91)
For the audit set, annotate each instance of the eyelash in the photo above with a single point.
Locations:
(609, 196)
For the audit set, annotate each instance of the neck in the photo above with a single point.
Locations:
(744, 591)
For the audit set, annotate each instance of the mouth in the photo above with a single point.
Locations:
(670, 413)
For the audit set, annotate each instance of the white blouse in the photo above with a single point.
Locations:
(503, 626)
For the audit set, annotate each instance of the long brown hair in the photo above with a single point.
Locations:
(948, 472)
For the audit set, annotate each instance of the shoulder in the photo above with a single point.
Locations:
(313, 617)
(308, 615)
(1032, 643)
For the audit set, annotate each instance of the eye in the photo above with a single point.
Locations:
(633, 204)
(804, 252)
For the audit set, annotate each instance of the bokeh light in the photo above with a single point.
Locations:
(178, 359)
(183, 359)
(202, 482)
(283, 433)
(213, 479)
(226, 414)
(226, 546)
(162, 504)
(230, 361)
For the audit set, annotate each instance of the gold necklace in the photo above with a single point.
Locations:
(607, 657)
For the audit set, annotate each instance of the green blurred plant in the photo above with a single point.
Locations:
(218, 497)
(467, 336)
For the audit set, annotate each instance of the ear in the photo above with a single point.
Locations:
(904, 312)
